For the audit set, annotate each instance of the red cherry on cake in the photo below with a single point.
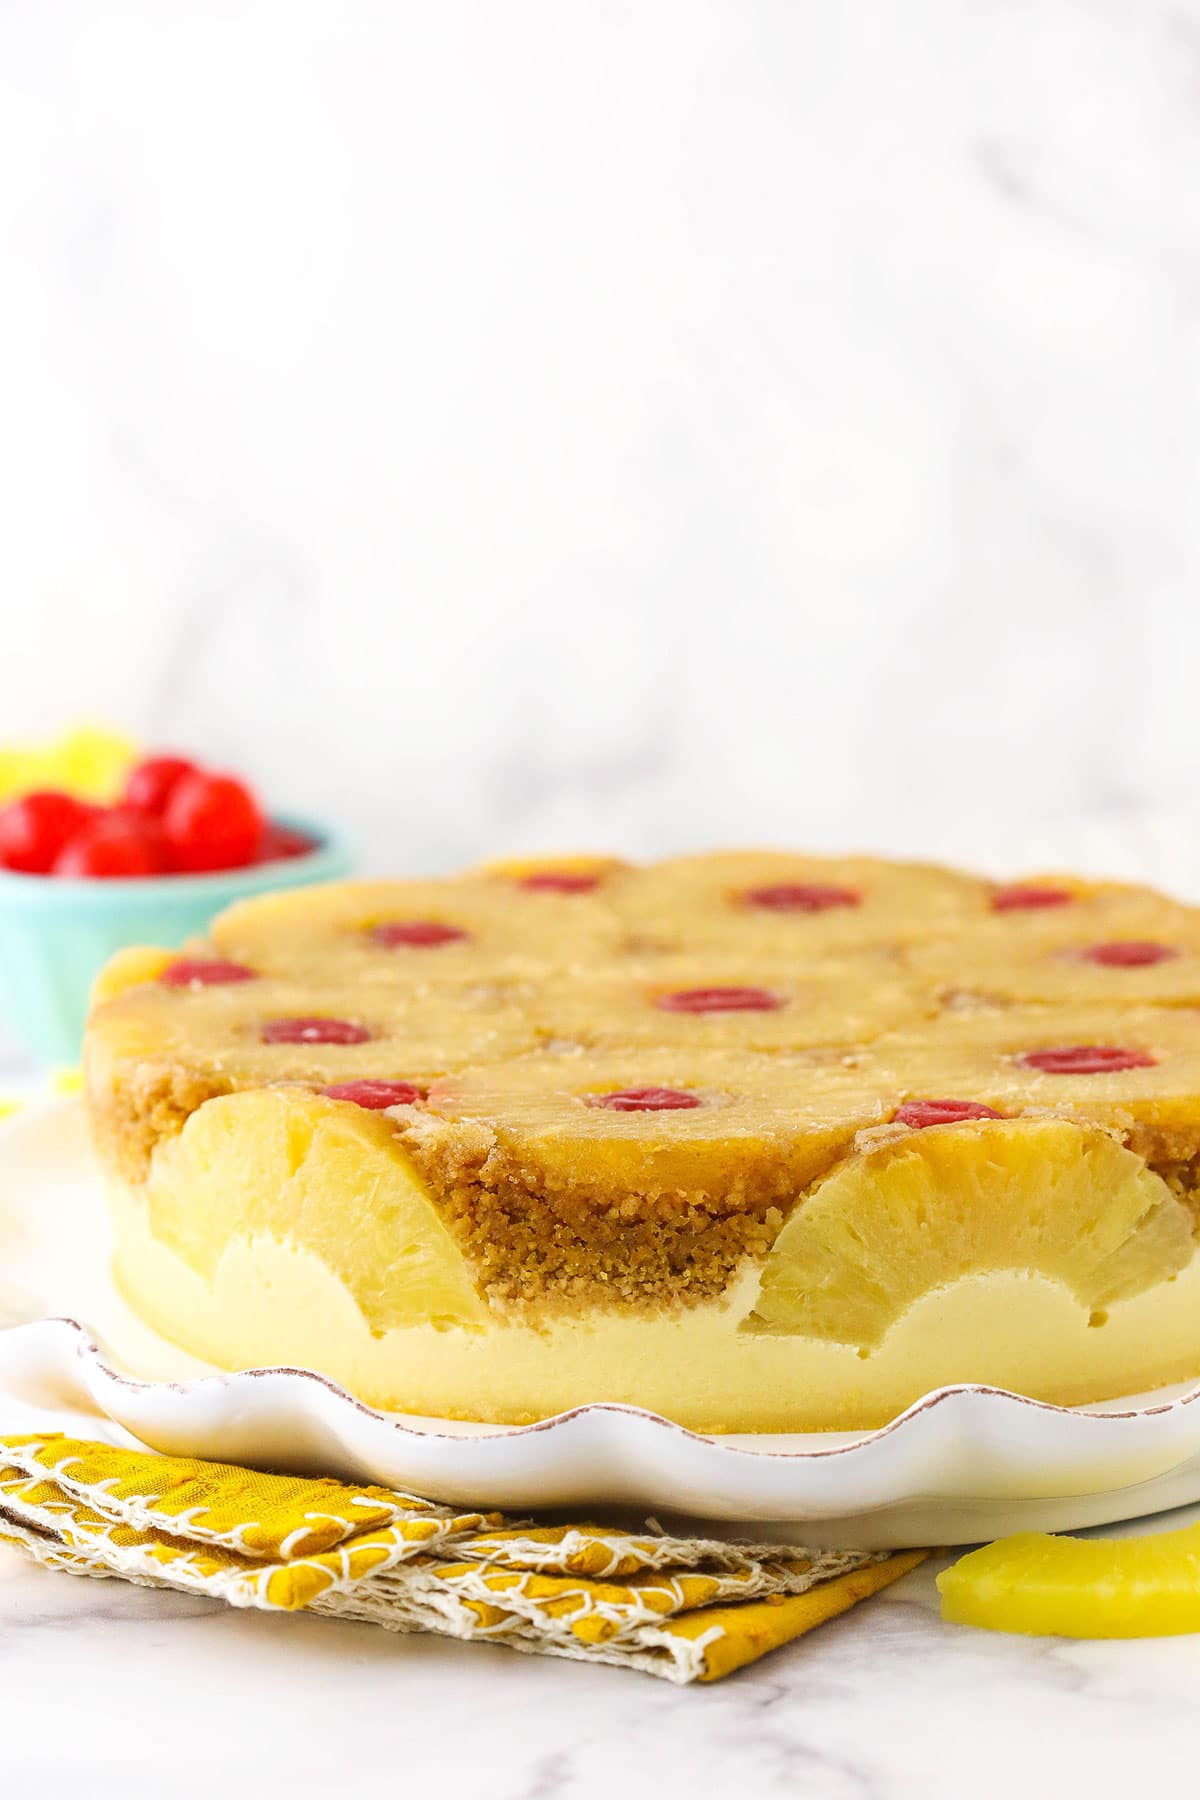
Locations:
(211, 822)
(559, 881)
(1087, 1059)
(417, 934)
(35, 829)
(1025, 897)
(313, 1031)
(205, 971)
(374, 1095)
(646, 1099)
(1128, 953)
(921, 1113)
(801, 896)
(719, 1000)
(151, 782)
(114, 846)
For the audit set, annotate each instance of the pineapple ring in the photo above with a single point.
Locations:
(1056, 962)
(850, 1000)
(893, 1224)
(976, 1054)
(328, 930)
(414, 1036)
(710, 900)
(300, 1153)
(764, 1128)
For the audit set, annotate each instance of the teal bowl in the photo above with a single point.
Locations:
(55, 935)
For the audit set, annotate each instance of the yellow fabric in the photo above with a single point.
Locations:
(684, 1608)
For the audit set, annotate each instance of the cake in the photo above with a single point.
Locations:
(760, 1141)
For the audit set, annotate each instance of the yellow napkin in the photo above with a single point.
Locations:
(687, 1609)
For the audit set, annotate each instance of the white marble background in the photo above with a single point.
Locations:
(577, 422)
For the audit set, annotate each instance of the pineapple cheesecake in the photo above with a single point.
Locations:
(760, 1141)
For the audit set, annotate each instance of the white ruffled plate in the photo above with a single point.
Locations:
(964, 1463)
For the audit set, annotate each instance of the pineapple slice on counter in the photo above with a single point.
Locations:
(1070, 1587)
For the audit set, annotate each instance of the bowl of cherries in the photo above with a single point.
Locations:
(79, 881)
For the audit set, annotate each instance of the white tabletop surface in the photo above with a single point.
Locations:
(111, 1685)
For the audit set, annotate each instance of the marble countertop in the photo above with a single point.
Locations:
(108, 1683)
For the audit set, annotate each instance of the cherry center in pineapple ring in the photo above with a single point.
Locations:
(417, 934)
(1128, 953)
(314, 1031)
(801, 896)
(920, 1113)
(559, 881)
(200, 971)
(719, 1000)
(1087, 1059)
(647, 1099)
(1024, 898)
(374, 1095)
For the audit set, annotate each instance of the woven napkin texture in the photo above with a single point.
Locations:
(686, 1609)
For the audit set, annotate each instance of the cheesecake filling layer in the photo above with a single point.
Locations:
(1034, 1254)
(269, 1303)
